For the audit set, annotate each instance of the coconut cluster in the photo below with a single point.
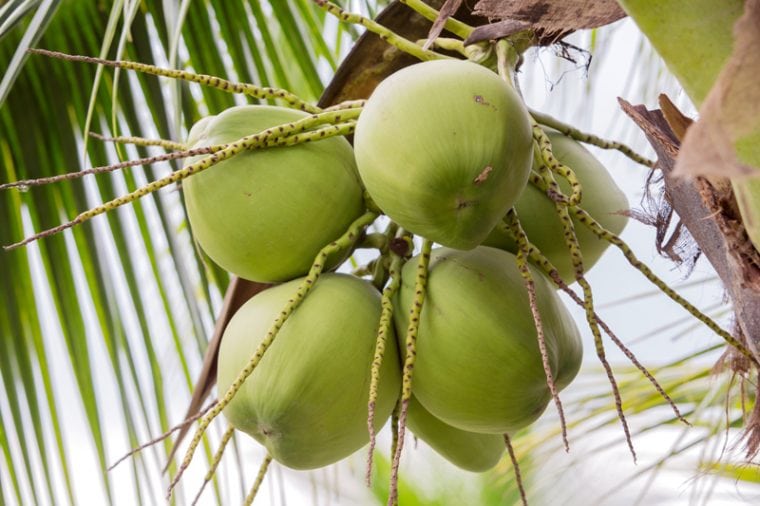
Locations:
(445, 150)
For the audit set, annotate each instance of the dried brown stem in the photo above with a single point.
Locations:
(163, 436)
(403, 412)
(522, 265)
(591, 318)
(111, 168)
(394, 446)
(628, 353)
(546, 180)
(516, 467)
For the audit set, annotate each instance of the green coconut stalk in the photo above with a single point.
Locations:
(387, 35)
(605, 202)
(284, 135)
(140, 141)
(259, 480)
(304, 288)
(578, 135)
(228, 434)
(251, 90)
(385, 329)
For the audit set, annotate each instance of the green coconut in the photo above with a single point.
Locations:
(478, 364)
(444, 148)
(602, 199)
(306, 402)
(264, 215)
(467, 450)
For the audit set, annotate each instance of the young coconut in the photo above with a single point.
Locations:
(467, 450)
(603, 200)
(444, 148)
(306, 402)
(478, 365)
(264, 215)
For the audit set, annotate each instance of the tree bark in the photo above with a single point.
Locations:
(707, 209)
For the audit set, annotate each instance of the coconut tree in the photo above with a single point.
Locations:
(106, 325)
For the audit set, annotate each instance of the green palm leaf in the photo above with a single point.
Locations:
(126, 298)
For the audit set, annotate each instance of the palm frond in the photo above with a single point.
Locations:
(104, 327)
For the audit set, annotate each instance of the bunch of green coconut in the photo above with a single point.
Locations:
(444, 149)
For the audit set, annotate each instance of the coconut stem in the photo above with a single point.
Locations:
(348, 104)
(141, 141)
(215, 462)
(541, 261)
(163, 436)
(522, 264)
(576, 134)
(380, 273)
(26, 183)
(507, 59)
(259, 480)
(394, 445)
(446, 44)
(458, 28)
(284, 137)
(251, 90)
(588, 305)
(377, 240)
(276, 136)
(342, 243)
(384, 33)
(543, 173)
(384, 329)
(516, 467)
(410, 357)
(584, 218)
(557, 167)
(587, 220)
(576, 256)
